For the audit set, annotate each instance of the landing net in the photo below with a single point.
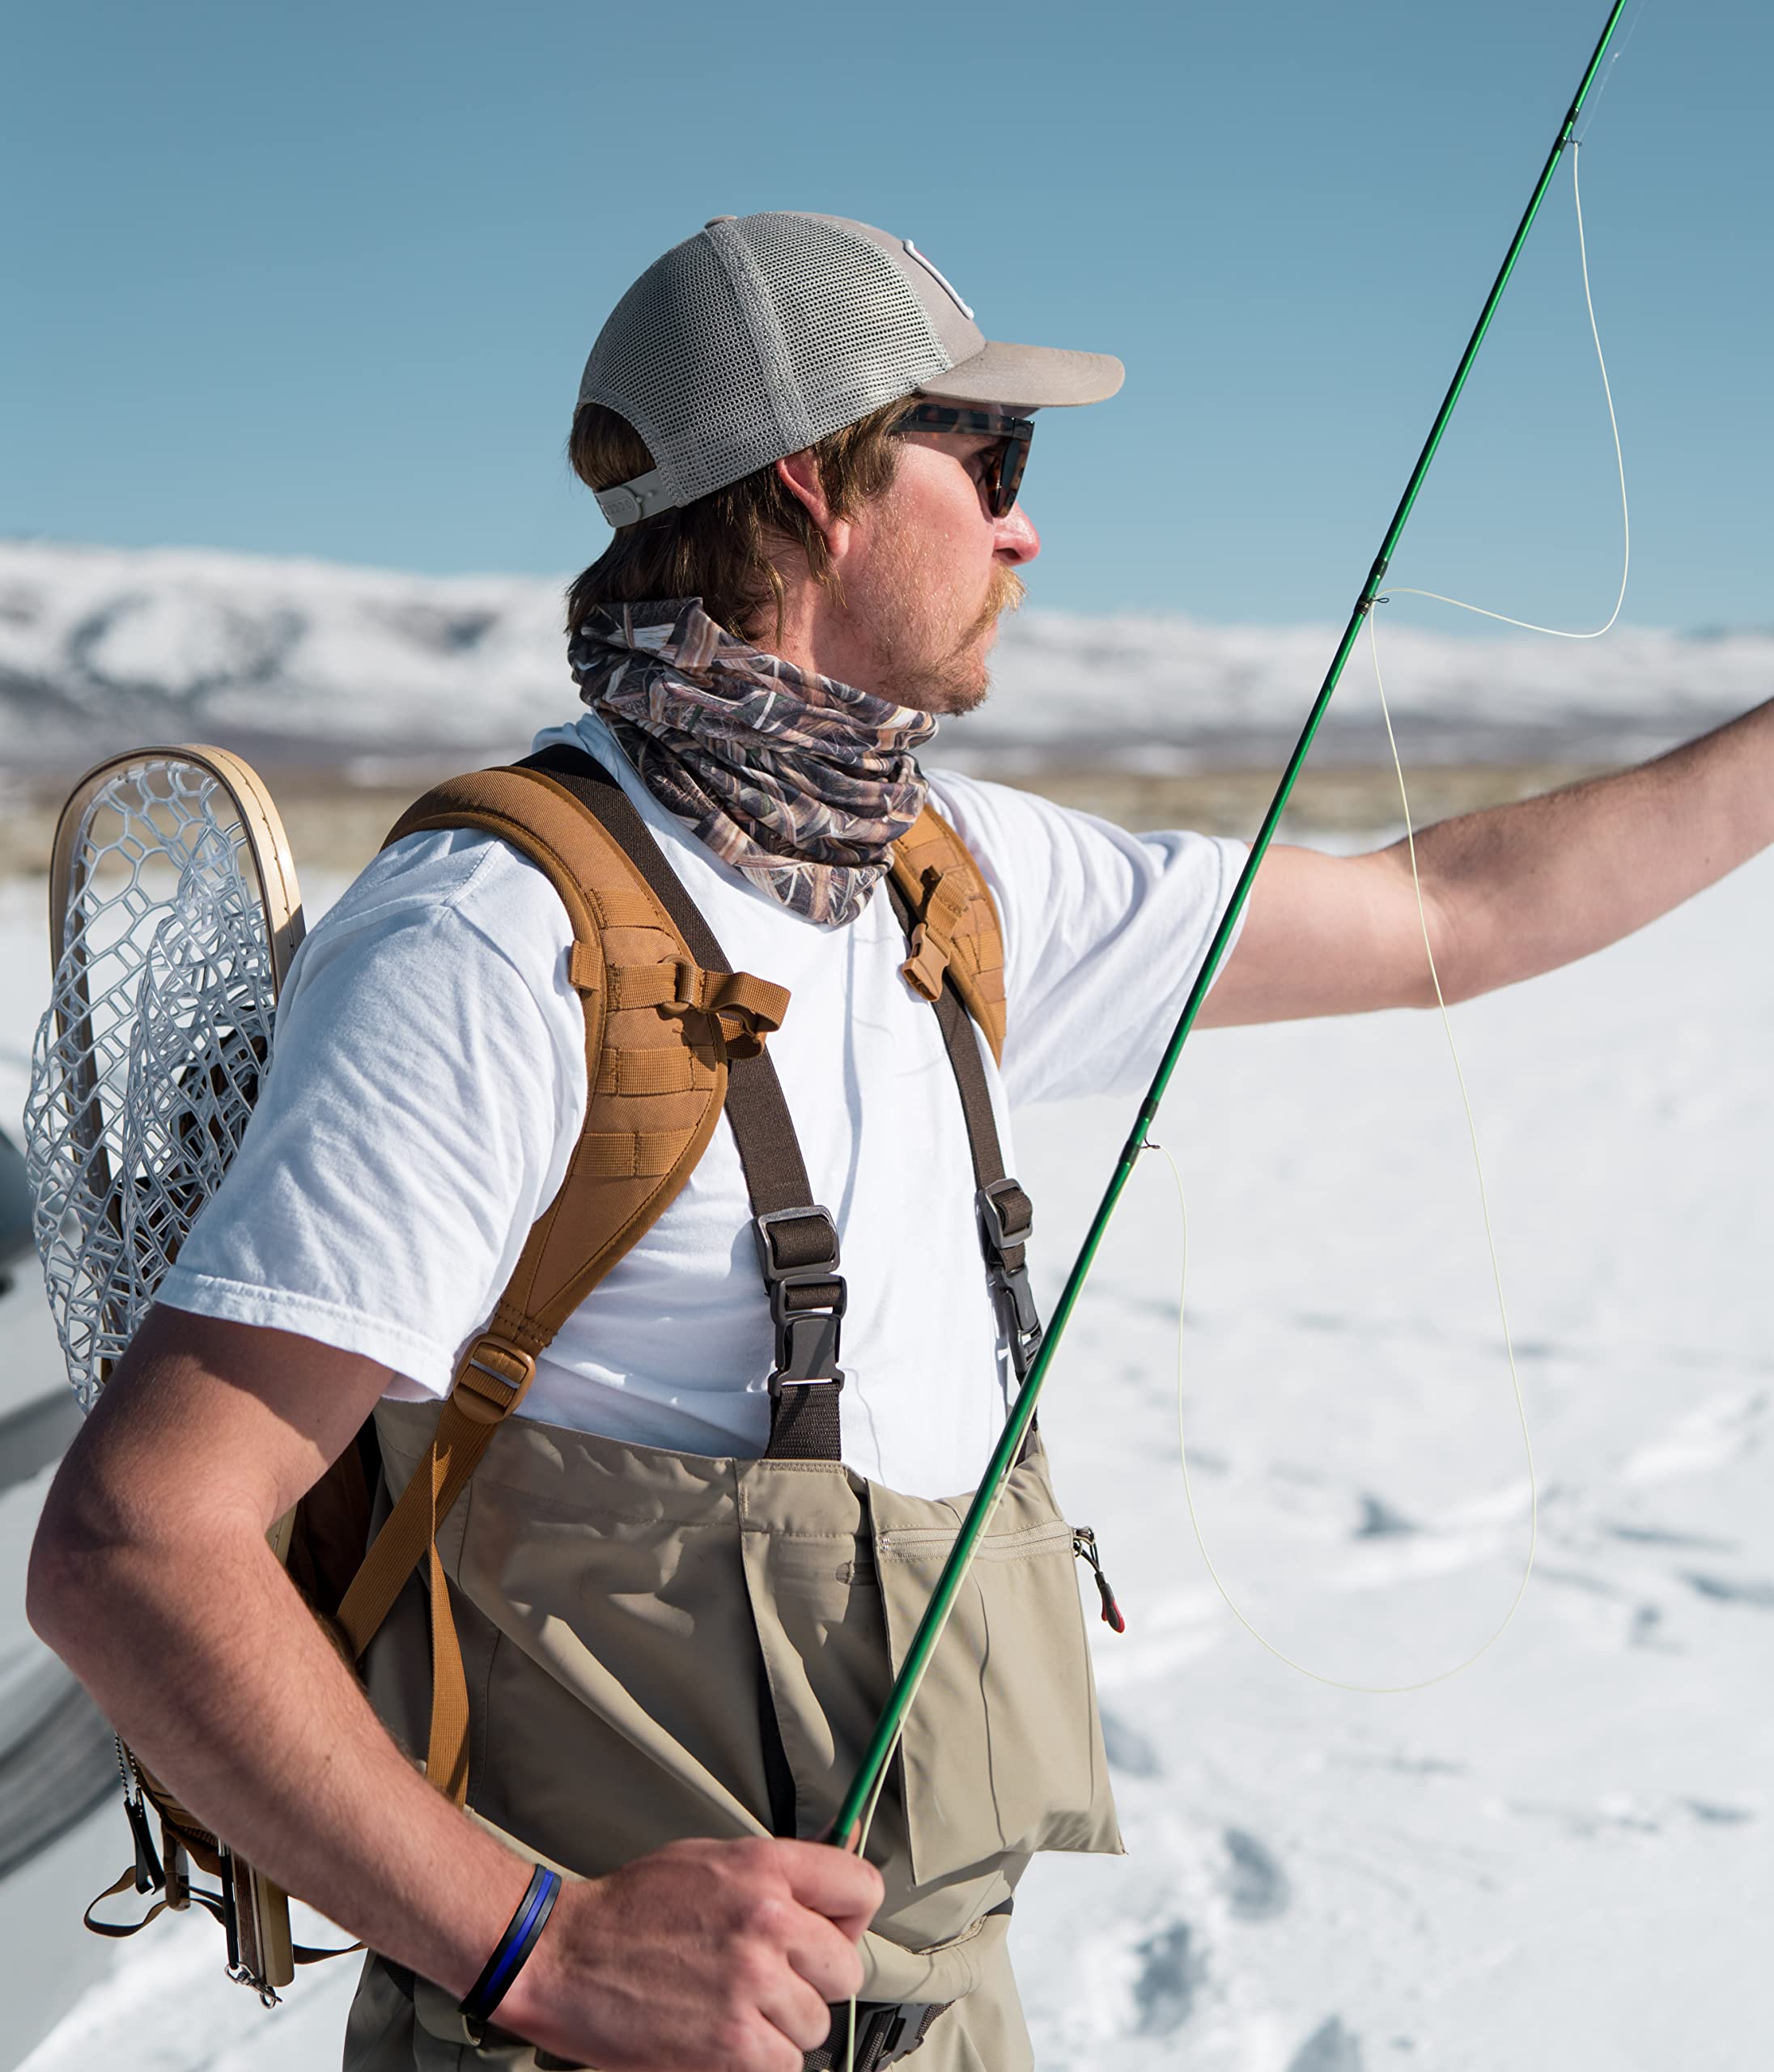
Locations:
(148, 1062)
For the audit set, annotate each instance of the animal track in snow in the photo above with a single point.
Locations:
(1616, 1814)
(1256, 1885)
(1379, 1519)
(1330, 2048)
(1128, 1750)
(1646, 1630)
(1723, 1590)
(1657, 1536)
(1171, 1971)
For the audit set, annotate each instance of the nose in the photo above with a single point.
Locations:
(1016, 540)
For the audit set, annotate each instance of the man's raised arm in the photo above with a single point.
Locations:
(151, 1575)
(1509, 892)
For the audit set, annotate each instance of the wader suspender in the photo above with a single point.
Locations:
(1007, 1215)
(797, 1241)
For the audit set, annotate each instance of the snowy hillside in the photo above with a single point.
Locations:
(103, 647)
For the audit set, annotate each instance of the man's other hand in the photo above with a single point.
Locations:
(703, 1957)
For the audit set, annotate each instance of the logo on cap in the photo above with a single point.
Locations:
(949, 285)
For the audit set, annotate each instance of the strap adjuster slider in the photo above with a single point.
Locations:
(493, 1379)
(1006, 1214)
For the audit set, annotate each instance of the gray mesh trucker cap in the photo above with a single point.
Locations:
(763, 333)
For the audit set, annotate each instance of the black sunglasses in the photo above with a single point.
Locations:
(1004, 462)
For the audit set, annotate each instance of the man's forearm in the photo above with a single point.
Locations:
(151, 1575)
(206, 1660)
(1522, 889)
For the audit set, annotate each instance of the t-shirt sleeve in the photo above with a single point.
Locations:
(427, 1083)
(1105, 932)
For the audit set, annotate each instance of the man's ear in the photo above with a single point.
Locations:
(799, 474)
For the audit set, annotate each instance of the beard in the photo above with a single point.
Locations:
(918, 658)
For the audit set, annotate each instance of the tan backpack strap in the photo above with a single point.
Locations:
(659, 1033)
(955, 925)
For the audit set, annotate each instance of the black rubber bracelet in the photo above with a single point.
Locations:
(514, 1947)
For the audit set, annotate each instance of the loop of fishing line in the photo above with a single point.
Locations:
(1561, 633)
(1504, 618)
(1441, 1676)
(1620, 51)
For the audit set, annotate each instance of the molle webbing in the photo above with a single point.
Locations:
(633, 1153)
(952, 923)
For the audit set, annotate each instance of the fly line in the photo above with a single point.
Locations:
(871, 1770)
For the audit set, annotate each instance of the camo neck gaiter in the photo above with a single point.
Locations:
(800, 782)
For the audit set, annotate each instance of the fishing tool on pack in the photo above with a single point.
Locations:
(850, 1828)
(174, 915)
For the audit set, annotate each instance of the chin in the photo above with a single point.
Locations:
(953, 696)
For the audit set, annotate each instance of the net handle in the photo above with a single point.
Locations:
(274, 865)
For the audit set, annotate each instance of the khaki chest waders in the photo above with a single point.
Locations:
(602, 1647)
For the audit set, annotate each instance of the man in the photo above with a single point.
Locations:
(793, 420)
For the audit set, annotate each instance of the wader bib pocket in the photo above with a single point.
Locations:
(1001, 1753)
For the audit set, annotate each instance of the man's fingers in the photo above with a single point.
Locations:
(798, 2011)
(843, 1888)
(754, 2044)
(823, 1955)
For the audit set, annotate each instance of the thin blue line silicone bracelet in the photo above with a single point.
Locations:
(514, 1946)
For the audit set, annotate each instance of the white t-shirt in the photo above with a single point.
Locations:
(428, 1083)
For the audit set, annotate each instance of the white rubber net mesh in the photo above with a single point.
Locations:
(147, 1064)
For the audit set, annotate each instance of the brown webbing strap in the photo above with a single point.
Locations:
(304, 1953)
(478, 1403)
(1007, 1215)
(559, 1263)
(797, 1241)
(963, 1059)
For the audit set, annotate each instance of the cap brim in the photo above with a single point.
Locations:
(1037, 377)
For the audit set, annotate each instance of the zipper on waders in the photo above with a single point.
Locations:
(1083, 1544)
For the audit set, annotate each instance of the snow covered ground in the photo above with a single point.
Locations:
(103, 647)
(1557, 1859)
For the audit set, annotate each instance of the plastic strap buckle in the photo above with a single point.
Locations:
(891, 2032)
(923, 970)
(797, 1249)
(1007, 1220)
(493, 1379)
(626, 504)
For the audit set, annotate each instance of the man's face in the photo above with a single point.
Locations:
(930, 572)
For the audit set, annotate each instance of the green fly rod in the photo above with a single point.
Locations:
(930, 1629)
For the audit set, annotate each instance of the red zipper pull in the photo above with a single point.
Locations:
(1084, 1542)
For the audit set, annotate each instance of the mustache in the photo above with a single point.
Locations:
(1005, 594)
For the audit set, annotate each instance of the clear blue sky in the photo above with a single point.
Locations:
(307, 276)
